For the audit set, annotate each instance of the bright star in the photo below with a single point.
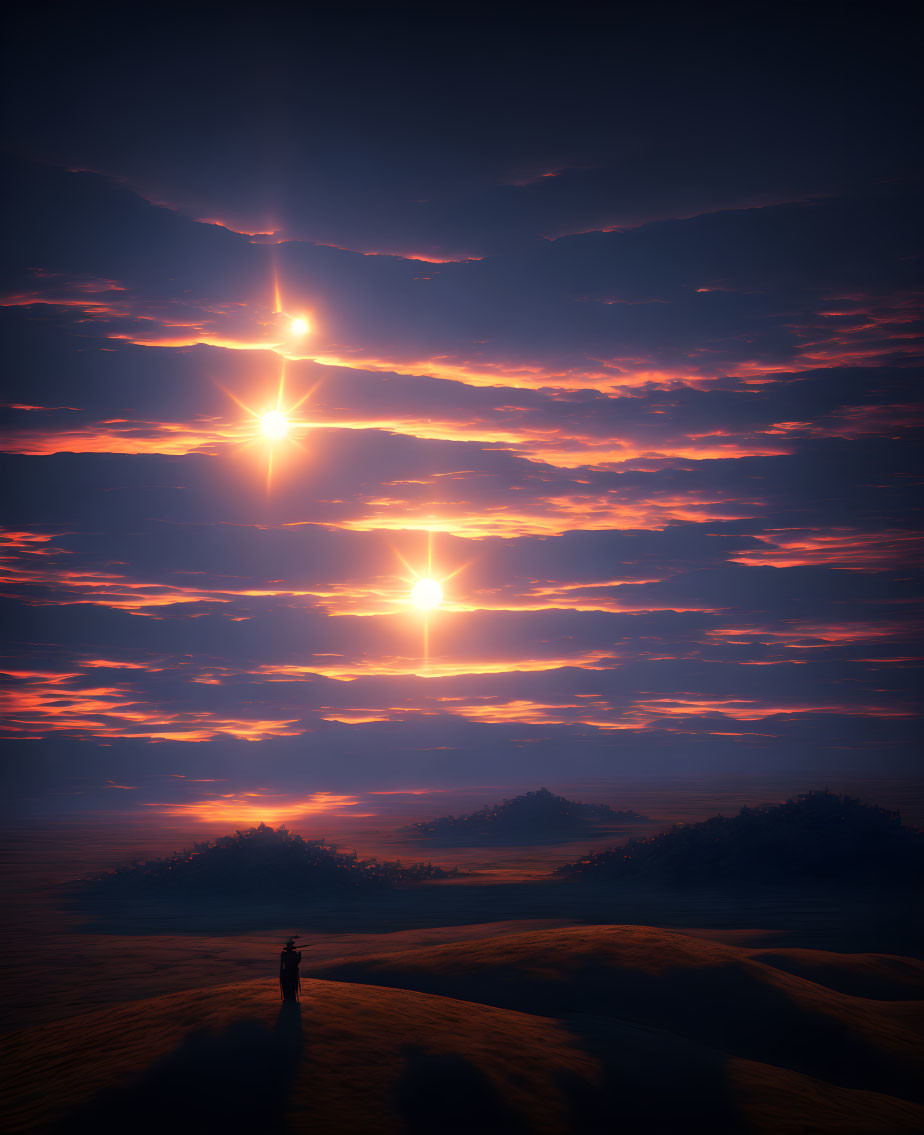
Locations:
(426, 590)
(299, 327)
(275, 425)
(426, 594)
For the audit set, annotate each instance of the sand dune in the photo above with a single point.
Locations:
(717, 994)
(334, 1066)
(366, 1056)
(880, 976)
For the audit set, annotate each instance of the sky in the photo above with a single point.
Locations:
(609, 321)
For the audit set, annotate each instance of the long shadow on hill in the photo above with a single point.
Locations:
(719, 1007)
(238, 1080)
(241, 1081)
(447, 1090)
(647, 1072)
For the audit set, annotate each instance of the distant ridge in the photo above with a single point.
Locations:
(258, 862)
(538, 816)
(816, 836)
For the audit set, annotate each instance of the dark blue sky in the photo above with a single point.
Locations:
(615, 318)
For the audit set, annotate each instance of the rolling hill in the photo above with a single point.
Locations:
(601, 1029)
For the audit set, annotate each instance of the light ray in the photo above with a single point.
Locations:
(453, 574)
(282, 383)
(304, 398)
(412, 570)
(234, 398)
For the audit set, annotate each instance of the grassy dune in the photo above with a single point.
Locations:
(581, 1029)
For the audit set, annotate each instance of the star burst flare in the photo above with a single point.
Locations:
(427, 592)
(273, 423)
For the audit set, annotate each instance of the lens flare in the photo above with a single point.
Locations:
(275, 425)
(299, 326)
(426, 594)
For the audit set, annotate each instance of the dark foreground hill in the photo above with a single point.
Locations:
(641, 1049)
(533, 817)
(816, 837)
(261, 863)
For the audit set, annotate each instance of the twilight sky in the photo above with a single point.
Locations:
(617, 318)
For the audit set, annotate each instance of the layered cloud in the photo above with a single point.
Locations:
(658, 445)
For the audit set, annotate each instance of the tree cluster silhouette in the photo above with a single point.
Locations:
(260, 861)
(537, 814)
(816, 836)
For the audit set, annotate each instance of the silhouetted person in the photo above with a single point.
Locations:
(289, 983)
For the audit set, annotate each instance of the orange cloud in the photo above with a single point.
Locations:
(31, 543)
(847, 548)
(271, 235)
(860, 332)
(128, 437)
(261, 330)
(42, 584)
(545, 516)
(421, 257)
(259, 807)
(655, 713)
(41, 705)
(388, 595)
(235, 227)
(747, 709)
(802, 634)
(430, 668)
(60, 586)
(355, 716)
(558, 448)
